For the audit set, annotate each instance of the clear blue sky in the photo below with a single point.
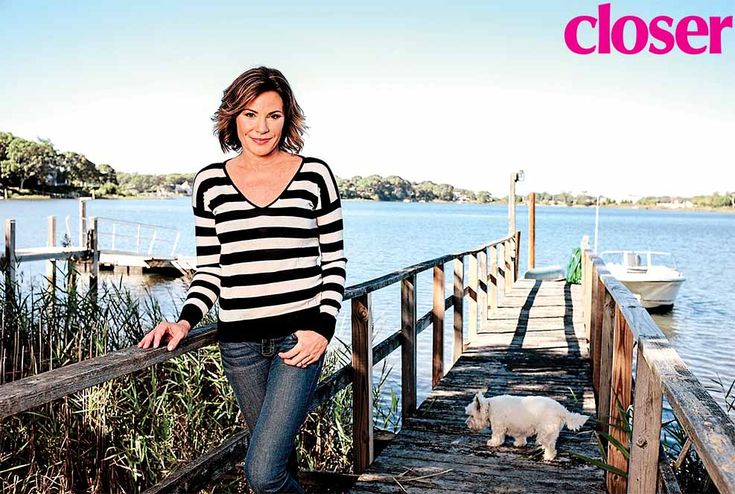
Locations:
(456, 92)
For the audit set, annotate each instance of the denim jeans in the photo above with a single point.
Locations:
(274, 398)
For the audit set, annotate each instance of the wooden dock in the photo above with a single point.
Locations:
(534, 343)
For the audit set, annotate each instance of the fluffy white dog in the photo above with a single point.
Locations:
(521, 417)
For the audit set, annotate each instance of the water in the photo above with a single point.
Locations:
(381, 237)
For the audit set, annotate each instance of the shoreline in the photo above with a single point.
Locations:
(503, 203)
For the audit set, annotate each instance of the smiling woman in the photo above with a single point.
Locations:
(270, 247)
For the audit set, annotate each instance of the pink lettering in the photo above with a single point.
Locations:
(683, 33)
(570, 34)
(660, 34)
(663, 32)
(641, 35)
(717, 24)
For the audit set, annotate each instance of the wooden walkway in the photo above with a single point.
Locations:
(533, 344)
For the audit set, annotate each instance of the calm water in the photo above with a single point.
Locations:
(382, 237)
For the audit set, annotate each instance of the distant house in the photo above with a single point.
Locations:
(56, 177)
(184, 188)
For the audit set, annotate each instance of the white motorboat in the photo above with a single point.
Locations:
(651, 276)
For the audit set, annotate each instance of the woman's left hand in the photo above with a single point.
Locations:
(308, 349)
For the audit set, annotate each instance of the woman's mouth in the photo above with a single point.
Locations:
(260, 141)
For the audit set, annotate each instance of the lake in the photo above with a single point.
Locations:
(384, 236)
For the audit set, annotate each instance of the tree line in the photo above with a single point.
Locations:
(40, 168)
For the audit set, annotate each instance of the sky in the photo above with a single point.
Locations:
(458, 92)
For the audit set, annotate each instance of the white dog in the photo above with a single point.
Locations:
(521, 417)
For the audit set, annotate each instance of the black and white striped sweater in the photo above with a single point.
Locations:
(276, 268)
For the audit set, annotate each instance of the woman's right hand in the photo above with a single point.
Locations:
(176, 331)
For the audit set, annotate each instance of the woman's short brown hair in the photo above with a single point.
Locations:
(242, 91)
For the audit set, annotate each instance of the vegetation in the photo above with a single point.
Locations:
(130, 433)
(688, 467)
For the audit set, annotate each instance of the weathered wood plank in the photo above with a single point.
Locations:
(458, 312)
(362, 364)
(437, 319)
(408, 347)
(647, 405)
(622, 384)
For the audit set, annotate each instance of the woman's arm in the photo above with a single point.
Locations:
(205, 285)
(334, 262)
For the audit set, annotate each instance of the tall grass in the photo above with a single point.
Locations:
(127, 434)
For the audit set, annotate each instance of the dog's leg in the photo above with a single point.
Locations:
(519, 441)
(548, 441)
(498, 437)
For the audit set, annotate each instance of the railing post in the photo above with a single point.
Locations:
(622, 383)
(516, 254)
(642, 477)
(362, 365)
(482, 296)
(51, 242)
(493, 278)
(437, 318)
(606, 357)
(458, 308)
(137, 240)
(82, 221)
(408, 346)
(10, 260)
(508, 268)
(587, 292)
(474, 286)
(596, 326)
(114, 232)
(94, 250)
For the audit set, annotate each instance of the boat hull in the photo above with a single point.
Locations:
(658, 295)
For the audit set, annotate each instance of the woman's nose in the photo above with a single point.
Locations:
(262, 126)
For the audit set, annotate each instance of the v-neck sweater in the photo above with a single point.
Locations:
(275, 269)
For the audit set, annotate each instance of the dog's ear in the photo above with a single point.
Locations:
(477, 402)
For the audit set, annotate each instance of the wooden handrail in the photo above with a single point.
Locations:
(660, 371)
(24, 394)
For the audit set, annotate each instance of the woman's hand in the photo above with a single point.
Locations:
(308, 349)
(176, 331)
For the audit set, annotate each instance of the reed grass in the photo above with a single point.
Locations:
(128, 434)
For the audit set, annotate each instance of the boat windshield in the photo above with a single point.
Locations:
(639, 259)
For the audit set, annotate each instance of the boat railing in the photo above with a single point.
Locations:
(622, 333)
(492, 267)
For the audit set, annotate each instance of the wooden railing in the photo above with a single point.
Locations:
(27, 393)
(616, 323)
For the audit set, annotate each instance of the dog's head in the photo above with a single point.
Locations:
(477, 410)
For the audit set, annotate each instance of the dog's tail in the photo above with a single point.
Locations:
(575, 420)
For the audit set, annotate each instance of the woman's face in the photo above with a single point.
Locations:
(260, 124)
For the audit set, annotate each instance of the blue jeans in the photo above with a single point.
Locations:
(274, 398)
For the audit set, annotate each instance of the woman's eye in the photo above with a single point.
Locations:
(249, 114)
(275, 117)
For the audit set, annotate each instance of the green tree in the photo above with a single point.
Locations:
(27, 159)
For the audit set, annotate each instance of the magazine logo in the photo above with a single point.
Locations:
(692, 34)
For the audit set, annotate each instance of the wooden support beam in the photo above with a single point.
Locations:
(458, 310)
(474, 286)
(643, 474)
(437, 321)
(362, 364)
(408, 346)
(622, 383)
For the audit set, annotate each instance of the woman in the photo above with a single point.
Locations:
(269, 246)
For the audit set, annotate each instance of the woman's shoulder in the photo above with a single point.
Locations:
(318, 165)
(208, 171)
